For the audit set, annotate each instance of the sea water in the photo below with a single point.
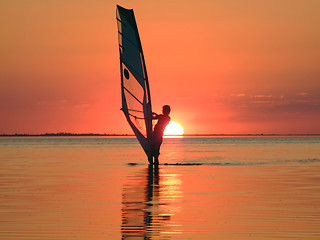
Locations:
(244, 150)
(258, 187)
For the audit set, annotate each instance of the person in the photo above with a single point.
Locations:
(157, 135)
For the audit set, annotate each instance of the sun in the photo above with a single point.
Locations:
(173, 128)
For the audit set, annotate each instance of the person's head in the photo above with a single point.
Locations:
(166, 109)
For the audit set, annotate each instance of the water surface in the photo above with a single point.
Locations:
(102, 188)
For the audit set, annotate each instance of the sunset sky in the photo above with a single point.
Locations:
(223, 66)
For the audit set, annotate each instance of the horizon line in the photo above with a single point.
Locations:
(62, 134)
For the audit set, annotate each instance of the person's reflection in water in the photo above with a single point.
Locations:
(147, 205)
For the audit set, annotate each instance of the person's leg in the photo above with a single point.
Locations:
(156, 160)
(150, 159)
(156, 155)
(157, 143)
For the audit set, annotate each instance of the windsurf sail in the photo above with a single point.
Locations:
(136, 102)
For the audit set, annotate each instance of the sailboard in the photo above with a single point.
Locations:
(135, 92)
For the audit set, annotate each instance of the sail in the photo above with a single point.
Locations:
(136, 103)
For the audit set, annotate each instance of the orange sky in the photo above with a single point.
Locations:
(223, 66)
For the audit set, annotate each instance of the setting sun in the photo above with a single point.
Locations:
(173, 128)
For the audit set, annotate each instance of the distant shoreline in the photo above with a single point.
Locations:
(131, 135)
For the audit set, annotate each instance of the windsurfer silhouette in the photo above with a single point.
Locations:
(157, 135)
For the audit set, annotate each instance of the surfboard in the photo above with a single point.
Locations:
(135, 92)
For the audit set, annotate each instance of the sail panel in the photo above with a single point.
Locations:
(134, 97)
(130, 45)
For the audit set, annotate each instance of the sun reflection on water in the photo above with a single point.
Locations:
(148, 204)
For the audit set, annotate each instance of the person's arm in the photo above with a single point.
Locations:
(155, 116)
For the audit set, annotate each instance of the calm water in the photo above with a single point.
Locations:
(102, 188)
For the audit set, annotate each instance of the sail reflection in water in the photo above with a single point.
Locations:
(150, 199)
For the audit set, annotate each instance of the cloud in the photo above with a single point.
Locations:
(263, 96)
(302, 93)
(264, 102)
(273, 108)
